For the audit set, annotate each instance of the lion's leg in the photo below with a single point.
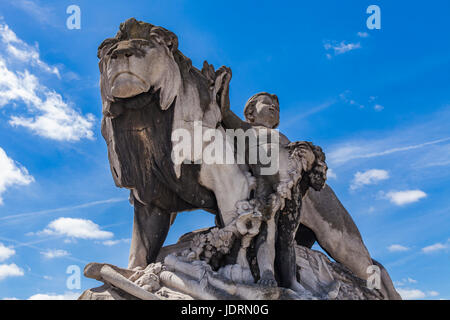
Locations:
(229, 185)
(387, 286)
(150, 227)
(337, 234)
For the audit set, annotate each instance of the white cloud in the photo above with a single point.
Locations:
(22, 51)
(331, 174)
(55, 253)
(309, 110)
(35, 9)
(397, 248)
(416, 294)
(343, 154)
(53, 296)
(434, 248)
(411, 294)
(378, 107)
(432, 293)
(5, 252)
(10, 270)
(346, 97)
(340, 48)
(12, 173)
(48, 114)
(76, 228)
(62, 209)
(110, 243)
(57, 120)
(410, 280)
(352, 151)
(362, 34)
(405, 281)
(368, 177)
(405, 197)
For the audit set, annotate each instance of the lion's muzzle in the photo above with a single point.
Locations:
(126, 84)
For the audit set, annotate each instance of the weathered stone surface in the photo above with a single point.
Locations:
(330, 280)
(180, 278)
(108, 292)
(265, 224)
(149, 90)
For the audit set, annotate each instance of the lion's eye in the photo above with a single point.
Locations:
(110, 50)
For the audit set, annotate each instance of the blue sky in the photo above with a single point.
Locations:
(377, 101)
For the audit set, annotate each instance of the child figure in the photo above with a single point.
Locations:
(273, 190)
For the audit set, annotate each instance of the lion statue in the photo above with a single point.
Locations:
(149, 89)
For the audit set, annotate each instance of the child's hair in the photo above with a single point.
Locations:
(250, 105)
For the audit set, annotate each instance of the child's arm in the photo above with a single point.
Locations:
(229, 119)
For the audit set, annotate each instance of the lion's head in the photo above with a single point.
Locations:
(138, 59)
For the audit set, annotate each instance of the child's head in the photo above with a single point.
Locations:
(263, 109)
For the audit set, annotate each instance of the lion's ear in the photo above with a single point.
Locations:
(166, 37)
(209, 72)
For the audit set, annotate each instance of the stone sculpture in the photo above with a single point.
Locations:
(288, 185)
(149, 91)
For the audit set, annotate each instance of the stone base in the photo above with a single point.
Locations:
(109, 292)
(180, 279)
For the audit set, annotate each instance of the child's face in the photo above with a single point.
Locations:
(267, 112)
